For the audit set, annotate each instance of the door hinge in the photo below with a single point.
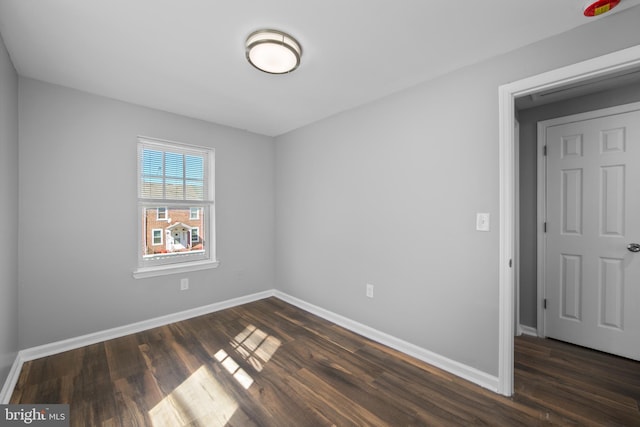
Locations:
(545, 227)
(544, 150)
(510, 263)
(544, 303)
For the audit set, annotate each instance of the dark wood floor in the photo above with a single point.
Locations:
(268, 363)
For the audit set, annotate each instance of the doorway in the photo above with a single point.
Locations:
(583, 72)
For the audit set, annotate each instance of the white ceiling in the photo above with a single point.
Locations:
(187, 56)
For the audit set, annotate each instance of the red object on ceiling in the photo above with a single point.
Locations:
(599, 7)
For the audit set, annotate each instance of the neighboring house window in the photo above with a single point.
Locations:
(176, 207)
(162, 213)
(157, 236)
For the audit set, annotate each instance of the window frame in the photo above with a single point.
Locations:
(197, 210)
(156, 265)
(153, 236)
(166, 213)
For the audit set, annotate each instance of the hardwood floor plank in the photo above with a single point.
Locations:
(586, 408)
(123, 357)
(590, 387)
(268, 363)
(92, 393)
(348, 374)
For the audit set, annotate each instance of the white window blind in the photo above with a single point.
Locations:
(173, 172)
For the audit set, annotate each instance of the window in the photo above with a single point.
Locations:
(162, 213)
(157, 236)
(176, 208)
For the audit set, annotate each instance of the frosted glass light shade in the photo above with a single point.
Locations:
(273, 51)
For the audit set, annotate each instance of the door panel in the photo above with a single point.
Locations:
(571, 291)
(612, 203)
(571, 201)
(611, 293)
(592, 282)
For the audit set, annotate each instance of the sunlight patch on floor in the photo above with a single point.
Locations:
(255, 346)
(200, 399)
(234, 369)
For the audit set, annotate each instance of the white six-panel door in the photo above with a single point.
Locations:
(592, 279)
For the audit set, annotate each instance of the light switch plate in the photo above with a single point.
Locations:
(483, 222)
(369, 290)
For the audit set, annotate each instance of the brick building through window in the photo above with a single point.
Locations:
(173, 230)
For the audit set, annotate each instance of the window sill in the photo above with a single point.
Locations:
(163, 270)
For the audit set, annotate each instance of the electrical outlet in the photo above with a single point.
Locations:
(184, 284)
(369, 290)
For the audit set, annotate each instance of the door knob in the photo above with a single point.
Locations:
(634, 247)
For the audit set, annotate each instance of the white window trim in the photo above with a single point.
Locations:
(197, 233)
(153, 241)
(145, 271)
(183, 267)
(197, 213)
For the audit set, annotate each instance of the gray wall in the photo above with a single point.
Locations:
(78, 221)
(8, 213)
(387, 194)
(528, 180)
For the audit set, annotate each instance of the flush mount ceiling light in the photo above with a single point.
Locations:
(273, 51)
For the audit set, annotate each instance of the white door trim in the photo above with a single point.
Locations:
(541, 237)
(542, 196)
(516, 227)
(617, 61)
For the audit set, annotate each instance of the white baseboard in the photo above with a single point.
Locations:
(528, 330)
(459, 369)
(12, 379)
(120, 331)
